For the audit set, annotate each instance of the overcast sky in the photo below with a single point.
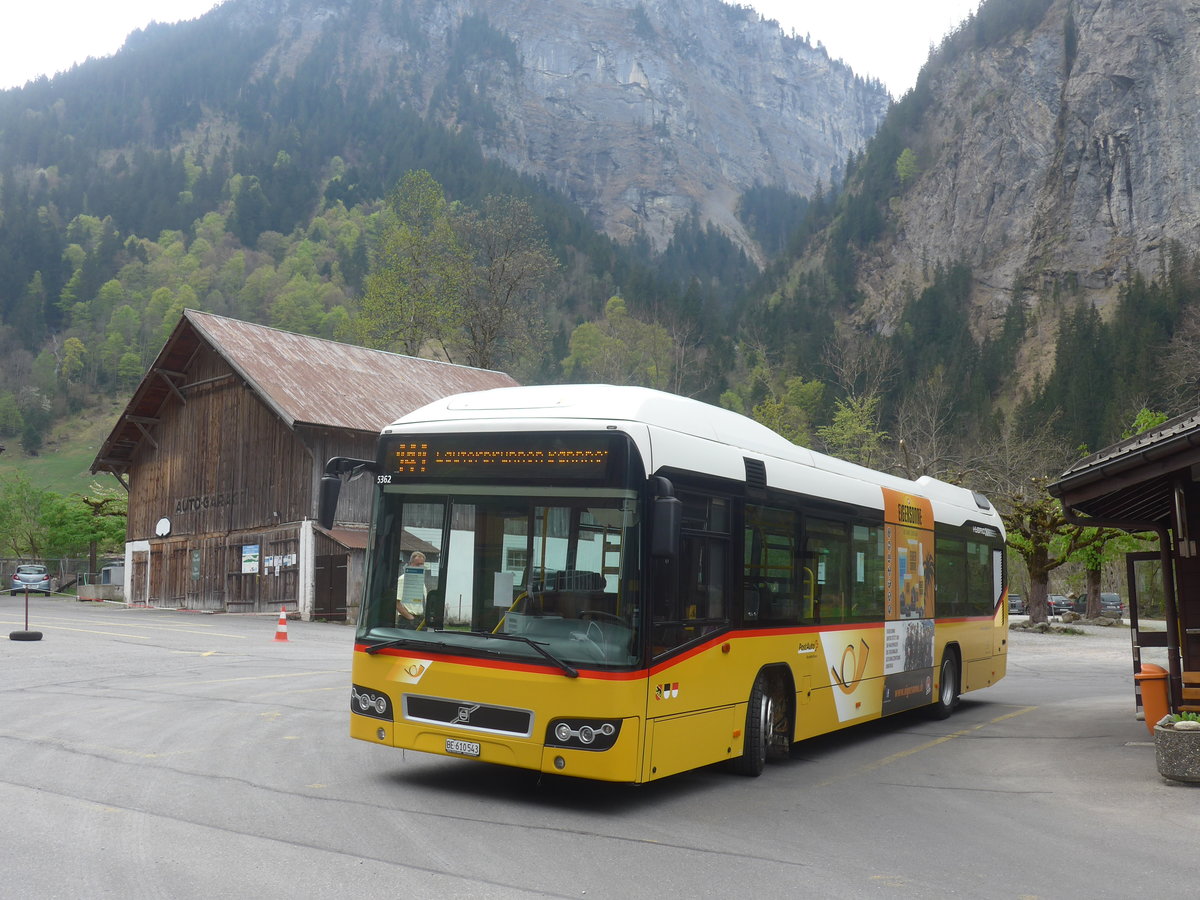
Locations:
(888, 39)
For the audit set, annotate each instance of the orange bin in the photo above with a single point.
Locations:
(1152, 681)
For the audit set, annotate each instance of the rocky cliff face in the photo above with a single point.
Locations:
(1066, 155)
(640, 110)
(646, 110)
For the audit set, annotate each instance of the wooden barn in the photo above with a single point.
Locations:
(222, 448)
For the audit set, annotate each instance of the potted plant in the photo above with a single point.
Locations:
(1177, 747)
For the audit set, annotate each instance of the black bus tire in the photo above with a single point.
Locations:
(759, 716)
(947, 698)
(24, 635)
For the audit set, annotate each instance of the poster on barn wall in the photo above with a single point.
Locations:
(250, 559)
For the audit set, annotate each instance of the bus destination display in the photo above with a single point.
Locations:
(580, 459)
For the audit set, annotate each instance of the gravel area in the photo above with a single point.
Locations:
(1080, 640)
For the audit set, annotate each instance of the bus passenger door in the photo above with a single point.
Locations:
(691, 714)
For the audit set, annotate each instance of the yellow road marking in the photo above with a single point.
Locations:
(928, 745)
(254, 678)
(42, 626)
(240, 637)
(949, 737)
(186, 629)
(132, 623)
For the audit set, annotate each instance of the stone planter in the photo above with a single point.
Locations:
(1177, 754)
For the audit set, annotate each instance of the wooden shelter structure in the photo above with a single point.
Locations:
(1151, 483)
(222, 447)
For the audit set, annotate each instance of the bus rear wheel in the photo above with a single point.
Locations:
(947, 698)
(760, 716)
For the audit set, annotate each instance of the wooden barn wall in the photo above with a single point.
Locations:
(356, 570)
(228, 474)
(223, 463)
(219, 572)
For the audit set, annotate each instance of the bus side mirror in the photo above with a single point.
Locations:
(327, 501)
(331, 485)
(664, 535)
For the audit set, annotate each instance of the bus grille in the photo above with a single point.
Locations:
(470, 716)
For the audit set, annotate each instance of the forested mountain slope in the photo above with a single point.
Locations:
(1026, 220)
(242, 163)
(640, 111)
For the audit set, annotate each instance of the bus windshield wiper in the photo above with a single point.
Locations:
(398, 642)
(569, 669)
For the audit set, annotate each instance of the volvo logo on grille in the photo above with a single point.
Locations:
(467, 715)
(464, 713)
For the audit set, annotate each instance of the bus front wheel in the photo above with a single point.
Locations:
(760, 714)
(947, 698)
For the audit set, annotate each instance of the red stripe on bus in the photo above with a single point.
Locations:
(504, 665)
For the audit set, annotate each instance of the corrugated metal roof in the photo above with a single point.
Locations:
(305, 380)
(1162, 434)
(312, 381)
(356, 539)
(1134, 479)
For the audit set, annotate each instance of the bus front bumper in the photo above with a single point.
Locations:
(620, 762)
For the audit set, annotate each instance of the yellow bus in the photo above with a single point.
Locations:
(621, 584)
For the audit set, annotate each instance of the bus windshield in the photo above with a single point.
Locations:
(551, 570)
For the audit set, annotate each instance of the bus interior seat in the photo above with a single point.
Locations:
(751, 601)
(568, 580)
(569, 592)
(579, 580)
(435, 609)
(571, 603)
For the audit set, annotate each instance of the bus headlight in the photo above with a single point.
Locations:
(367, 702)
(583, 734)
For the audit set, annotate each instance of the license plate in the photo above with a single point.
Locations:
(462, 748)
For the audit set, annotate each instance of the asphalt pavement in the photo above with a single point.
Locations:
(150, 753)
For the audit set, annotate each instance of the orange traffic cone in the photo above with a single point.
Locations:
(281, 628)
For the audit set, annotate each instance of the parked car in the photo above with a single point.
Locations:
(30, 578)
(1016, 605)
(1112, 603)
(1057, 604)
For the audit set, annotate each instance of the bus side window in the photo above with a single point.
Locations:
(951, 585)
(980, 601)
(701, 605)
(770, 571)
(808, 594)
(827, 554)
(755, 596)
(867, 574)
(704, 565)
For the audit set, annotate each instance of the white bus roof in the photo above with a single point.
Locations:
(684, 433)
